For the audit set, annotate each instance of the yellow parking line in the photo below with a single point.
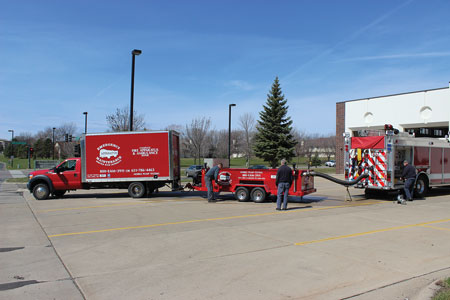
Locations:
(435, 227)
(96, 206)
(371, 232)
(213, 219)
(107, 205)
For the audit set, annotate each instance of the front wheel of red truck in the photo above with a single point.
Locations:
(136, 189)
(41, 191)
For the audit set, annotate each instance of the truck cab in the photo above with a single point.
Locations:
(57, 180)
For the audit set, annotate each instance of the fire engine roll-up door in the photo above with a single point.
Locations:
(368, 142)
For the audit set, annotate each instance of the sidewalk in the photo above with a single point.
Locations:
(31, 268)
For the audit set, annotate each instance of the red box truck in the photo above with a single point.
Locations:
(138, 161)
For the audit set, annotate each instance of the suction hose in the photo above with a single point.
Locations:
(338, 181)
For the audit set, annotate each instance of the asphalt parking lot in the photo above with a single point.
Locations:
(104, 245)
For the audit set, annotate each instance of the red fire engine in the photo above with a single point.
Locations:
(255, 184)
(380, 154)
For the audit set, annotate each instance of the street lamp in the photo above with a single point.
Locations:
(134, 53)
(229, 133)
(12, 146)
(85, 121)
(53, 155)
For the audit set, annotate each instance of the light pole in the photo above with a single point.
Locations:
(53, 142)
(134, 53)
(12, 146)
(229, 133)
(85, 121)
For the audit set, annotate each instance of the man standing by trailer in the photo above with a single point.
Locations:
(409, 175)
(283, 182)
(211, 175)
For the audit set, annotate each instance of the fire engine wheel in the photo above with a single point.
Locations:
(258, 195)
(421, 188)
(41, 191)
(136, 190)
(241, 194)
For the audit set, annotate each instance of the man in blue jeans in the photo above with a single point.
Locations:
(283, 182)
(409, 175)
(212, 174)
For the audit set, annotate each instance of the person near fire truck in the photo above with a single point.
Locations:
(212, 174)
(409, 176)
(283, 182)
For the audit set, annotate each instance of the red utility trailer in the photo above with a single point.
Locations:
(256, 184)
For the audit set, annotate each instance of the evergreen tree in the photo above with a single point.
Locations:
(274, 140)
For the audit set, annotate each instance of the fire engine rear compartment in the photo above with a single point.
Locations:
(382, 158)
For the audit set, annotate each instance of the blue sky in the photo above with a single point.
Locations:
(60, 58)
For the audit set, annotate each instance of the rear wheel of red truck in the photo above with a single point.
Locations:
(258, 195)
(241, 194)
(41, 191)
(136, 189)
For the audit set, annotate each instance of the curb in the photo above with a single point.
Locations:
(428, 292)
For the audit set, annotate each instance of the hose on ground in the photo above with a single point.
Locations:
(338, 181)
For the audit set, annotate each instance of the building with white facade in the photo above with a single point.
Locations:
(426, 113)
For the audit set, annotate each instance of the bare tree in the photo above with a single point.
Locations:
(300, 136)
(66, 128)
(120, 120)
(217, 144)
(330, 146)
(247, 124)
(196, 133)
(26, 137)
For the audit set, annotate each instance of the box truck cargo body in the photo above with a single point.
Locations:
(139, 161)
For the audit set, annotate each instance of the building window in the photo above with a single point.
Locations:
(436, 132)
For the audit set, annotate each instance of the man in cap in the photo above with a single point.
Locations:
(409, 176)
(212, 174)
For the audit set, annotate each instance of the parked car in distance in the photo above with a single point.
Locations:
(193, 170)
(330, 163)
(258, 167)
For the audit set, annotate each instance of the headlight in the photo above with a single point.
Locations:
(30, 176)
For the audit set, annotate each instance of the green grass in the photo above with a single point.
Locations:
(17, 180)
(444, 292)
(19, 163)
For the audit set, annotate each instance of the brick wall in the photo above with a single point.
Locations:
(340, 128)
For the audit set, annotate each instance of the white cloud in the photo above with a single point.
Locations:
(240, 84)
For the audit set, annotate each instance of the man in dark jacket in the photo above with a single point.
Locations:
(211, 175)
(283, 182)
(409, 175)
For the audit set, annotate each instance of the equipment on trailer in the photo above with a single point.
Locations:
(255, 184)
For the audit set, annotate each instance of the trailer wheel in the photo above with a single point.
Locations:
(258, 195)
(421, 188)
(136, 190)
(241, 194)
(41, 191)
